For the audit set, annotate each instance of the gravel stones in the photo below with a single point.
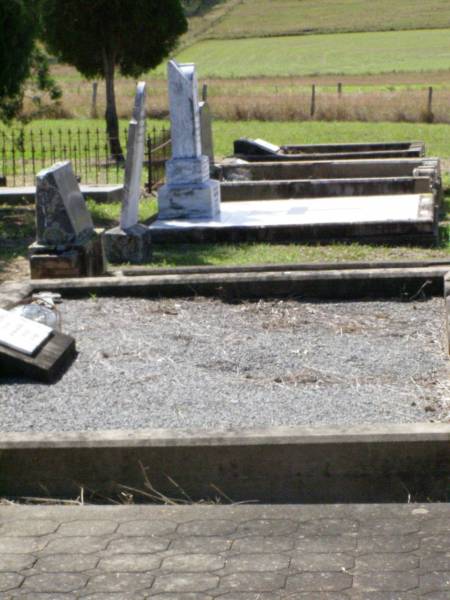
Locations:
(202, 363)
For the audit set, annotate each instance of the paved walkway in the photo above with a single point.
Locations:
(366, 552)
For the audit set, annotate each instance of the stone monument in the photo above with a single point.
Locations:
(66, 243)
(131, 241)
(189, 192)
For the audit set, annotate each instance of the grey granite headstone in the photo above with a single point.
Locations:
(131, 241)
(135, 157)
(189, 192)
(61, 214)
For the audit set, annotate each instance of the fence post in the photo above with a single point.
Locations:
(205, 92)
(339, 89)
(94, 113)
(313, 100)
(430, 116)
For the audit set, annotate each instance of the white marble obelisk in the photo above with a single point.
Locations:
(131, 241)
(135, 157)
(189, 192)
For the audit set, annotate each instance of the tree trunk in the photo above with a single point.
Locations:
(112, 122)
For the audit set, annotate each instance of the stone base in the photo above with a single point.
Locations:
(82, 259)
(189, 201)
(128, 246)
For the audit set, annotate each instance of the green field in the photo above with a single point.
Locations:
(252, 18)
(436, 137)
(345, 53)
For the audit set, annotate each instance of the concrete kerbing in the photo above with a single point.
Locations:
(303, 464)
(327, 284)
(277, 436)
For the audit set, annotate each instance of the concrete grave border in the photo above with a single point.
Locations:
(385, 463)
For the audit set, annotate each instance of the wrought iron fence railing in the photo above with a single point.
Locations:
(24, 152)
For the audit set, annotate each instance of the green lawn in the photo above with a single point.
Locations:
(436, 137)
(341, 54)
(251, 18)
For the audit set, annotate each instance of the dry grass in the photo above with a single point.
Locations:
(280, 99)
(400, 106)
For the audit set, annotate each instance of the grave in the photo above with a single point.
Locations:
(67, 245)
(261, 150)
(294, 193)
(241, 170)
(189, 193)
(130, 242)
(400, 219)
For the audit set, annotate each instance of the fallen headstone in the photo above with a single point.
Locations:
(31, 349)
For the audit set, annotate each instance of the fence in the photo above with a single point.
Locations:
(23, 153)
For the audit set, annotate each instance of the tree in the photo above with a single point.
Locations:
(98, 36)
(18, 28)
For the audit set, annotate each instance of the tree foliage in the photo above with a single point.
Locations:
(98, 36)
(138, 34)
(18, 30)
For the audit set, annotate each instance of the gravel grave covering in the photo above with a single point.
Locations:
(202, 363)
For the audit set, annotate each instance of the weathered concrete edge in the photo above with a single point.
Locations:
(163, 438)
(386, 463)
(213, 283)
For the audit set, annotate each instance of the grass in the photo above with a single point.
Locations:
(346, 53)
(394, 97)
(247, 254)
(435, 136)
(250, 18)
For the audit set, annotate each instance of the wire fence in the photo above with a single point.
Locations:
(23, 153)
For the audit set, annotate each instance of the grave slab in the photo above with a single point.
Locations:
(389, 218)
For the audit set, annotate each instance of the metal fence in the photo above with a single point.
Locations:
(24, 152)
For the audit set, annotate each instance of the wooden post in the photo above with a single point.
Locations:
(313, 100)
(205, 92)
(94, 113)
(339, 89)
(430, 105)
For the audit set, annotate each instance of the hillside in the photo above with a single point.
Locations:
(338, 54)
(222, 19)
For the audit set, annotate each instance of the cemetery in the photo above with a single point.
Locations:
(310, 399)
(228, 348)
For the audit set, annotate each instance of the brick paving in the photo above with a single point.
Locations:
(251, 552)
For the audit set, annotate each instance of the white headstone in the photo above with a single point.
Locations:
(22, 334)
(184, 110)
(135, 157)
(189, 192)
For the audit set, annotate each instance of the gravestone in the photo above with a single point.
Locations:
(131, 241)
(189, 192)
(206, 128)
(61, 213)
(32, 349)
(67, 244)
